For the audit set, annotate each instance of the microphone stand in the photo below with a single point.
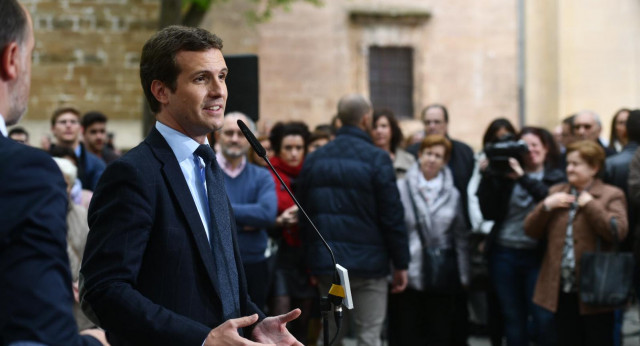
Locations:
(336, 292)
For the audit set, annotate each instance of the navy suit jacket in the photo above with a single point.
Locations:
(35, 281)
(90, 168)
(148, 275)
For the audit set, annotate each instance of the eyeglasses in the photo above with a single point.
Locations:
(230, 133)
(586, 126)
(67, 121)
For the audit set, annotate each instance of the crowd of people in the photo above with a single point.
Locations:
(176, 243)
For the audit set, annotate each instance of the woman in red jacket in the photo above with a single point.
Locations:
(292, 286)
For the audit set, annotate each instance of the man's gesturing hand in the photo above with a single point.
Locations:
(227, 333)
(273, 330)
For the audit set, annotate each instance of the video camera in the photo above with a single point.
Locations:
(500, 151)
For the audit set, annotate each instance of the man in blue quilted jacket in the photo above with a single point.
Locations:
(348, 188)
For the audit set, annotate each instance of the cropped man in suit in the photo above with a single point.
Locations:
(162, 265)
(35, 281)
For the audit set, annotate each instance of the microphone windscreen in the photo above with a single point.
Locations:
(257, 147)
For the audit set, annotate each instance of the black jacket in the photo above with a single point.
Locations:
(617, 173)
(35, 281)
(348, 188)
(148, 275)
(494, 194)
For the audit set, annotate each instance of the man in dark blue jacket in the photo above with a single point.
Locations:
(35, 282)
(349, 189)
(162, 264)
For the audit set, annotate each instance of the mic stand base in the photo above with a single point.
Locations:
(325, 310)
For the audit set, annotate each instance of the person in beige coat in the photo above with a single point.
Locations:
(77, 230)
(590, 204)
(387, 135)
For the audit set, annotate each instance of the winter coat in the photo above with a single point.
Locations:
(348, 188)
(443, 221)
(590, 222)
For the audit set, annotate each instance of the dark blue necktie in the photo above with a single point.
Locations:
(220, 234)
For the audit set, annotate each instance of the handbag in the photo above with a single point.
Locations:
(439, 265)
(606, 278)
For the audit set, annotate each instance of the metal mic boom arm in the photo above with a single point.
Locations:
(336, 293)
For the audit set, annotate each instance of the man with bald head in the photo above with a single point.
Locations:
(252, 193)
(587, 126)
(35, 279)
(349, 189)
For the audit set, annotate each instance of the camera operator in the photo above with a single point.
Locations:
(514, 180)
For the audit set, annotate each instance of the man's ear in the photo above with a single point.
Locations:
(160, 91)
(9, 61)
(366, 121)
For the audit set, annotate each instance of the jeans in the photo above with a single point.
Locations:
(514, 273)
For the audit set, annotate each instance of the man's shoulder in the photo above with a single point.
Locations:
(619, 160)
(461, 146)
(109, 155)
(349, 148)
(91, 159)
(14, 155)
(258, 172)
(350, 143)
(139, 158)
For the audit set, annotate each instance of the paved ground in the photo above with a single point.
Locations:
(630, 331)
(631, 327)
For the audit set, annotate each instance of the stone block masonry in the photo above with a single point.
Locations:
(87, 54)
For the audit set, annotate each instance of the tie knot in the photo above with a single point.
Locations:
(206, 153)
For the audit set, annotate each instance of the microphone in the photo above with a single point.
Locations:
(257, 147)
(337, 291)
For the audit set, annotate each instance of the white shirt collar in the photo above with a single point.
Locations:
(182, 145)
(3, 126)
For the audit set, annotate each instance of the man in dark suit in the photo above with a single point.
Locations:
(35, 280)
(161, 265)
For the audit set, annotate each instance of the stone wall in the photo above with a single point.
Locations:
(582, 55)
(465, 56)
(87, 55)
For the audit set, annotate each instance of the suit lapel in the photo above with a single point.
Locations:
(177, 184)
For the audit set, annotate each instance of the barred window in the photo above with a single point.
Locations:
(391, 79)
